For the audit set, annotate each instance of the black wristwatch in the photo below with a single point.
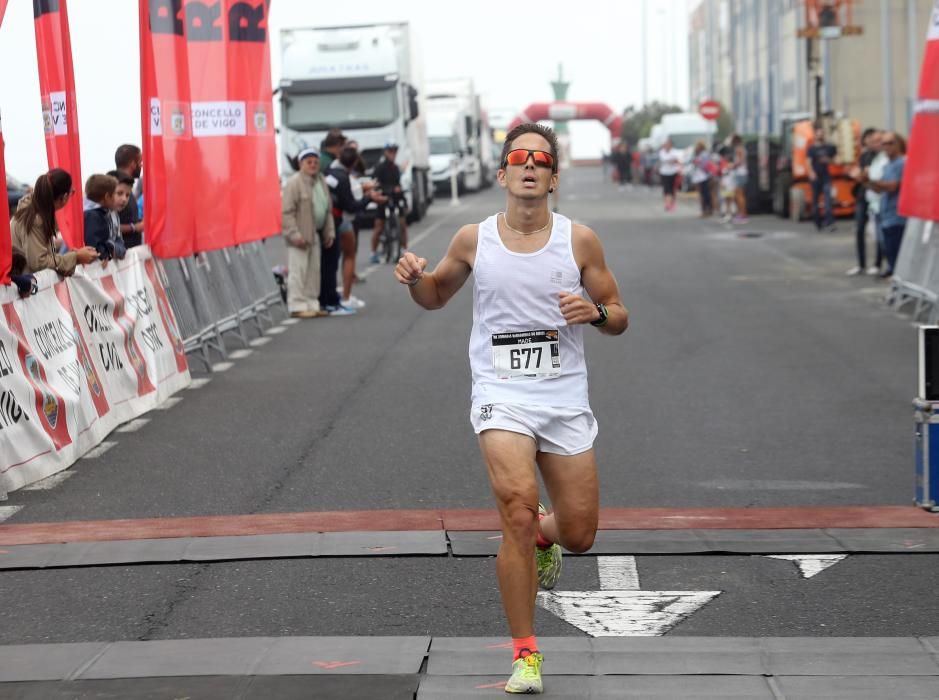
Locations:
(604, 316)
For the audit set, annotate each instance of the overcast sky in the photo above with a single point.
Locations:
(512, 50)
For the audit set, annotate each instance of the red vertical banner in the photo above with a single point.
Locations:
(210, 164)
(919, 194)
(5, 243)
(59, 111)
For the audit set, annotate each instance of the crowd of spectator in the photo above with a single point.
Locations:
(719, 175)
(111, 221)
(878, 178)
(325, 206)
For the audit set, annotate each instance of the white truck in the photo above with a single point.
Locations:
(365, 80)
(460, 136)
(685, 129)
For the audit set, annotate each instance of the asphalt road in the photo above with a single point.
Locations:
(754, 373)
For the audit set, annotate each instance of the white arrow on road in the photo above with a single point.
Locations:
(810, 564)
(620, 609)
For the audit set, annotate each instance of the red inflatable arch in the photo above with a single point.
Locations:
(567, 111)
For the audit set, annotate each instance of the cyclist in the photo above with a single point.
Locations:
(387, 176)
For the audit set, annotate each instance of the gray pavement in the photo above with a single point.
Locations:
(754, 374)
(771, 668)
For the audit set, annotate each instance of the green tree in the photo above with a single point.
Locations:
(637, 123)
(725, 124)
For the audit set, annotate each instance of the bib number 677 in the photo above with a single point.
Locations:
(518, 355)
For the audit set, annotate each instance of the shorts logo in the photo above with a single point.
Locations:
(485, 412)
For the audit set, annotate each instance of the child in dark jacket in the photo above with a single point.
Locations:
(102, 228)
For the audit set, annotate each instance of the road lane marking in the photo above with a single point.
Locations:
(133, 426)
(777, 485)
(810, 564)
(415, 240)
(169, 403)
(620, 609)
(199, 383)
(290, 321)
(276, 330)
(625, 613)
(222, 366)
(241, 354)
(258, 342)
(8, 511)
(99, 450)
(50, 482)
(618, 573)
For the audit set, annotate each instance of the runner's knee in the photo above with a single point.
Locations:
(579, 540)
(520, 521)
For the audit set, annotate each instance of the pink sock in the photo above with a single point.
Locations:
(523, 644)
(540, 540)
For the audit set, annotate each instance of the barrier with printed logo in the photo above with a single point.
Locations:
(80, 357)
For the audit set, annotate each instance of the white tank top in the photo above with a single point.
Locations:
(515, 299)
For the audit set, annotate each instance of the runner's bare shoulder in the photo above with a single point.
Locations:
(463, 245)
(586, 244)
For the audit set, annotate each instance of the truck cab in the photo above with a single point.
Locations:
(363, 80)
(460, 136)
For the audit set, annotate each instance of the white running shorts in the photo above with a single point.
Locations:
(558, 430)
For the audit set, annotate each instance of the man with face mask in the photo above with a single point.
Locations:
(129, 160)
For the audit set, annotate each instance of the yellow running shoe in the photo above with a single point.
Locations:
(548, 560)
(526, 674)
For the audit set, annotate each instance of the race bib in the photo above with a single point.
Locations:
(526, 354)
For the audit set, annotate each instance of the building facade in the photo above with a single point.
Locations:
(748, 55)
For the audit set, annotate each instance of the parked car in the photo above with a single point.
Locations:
(16, 190)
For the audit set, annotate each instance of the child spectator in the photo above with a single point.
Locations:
(123, 193)
(102, 227)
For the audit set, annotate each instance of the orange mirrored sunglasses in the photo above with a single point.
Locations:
(520, 156)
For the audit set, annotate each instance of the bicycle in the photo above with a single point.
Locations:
(389, 243)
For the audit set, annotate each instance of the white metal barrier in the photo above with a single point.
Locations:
(221, 293)
(916, 274)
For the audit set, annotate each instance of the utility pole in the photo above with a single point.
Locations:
(886, 50)
(912, 60)
(645, 57)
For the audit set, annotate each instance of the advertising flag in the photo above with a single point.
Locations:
(59, 111)
(919, 193)
(210, 165)
(5, 243)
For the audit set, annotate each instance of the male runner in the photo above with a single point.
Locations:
(530, 405)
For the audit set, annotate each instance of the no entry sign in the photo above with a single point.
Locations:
(709, 109)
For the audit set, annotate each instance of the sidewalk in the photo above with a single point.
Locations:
(441, 667)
